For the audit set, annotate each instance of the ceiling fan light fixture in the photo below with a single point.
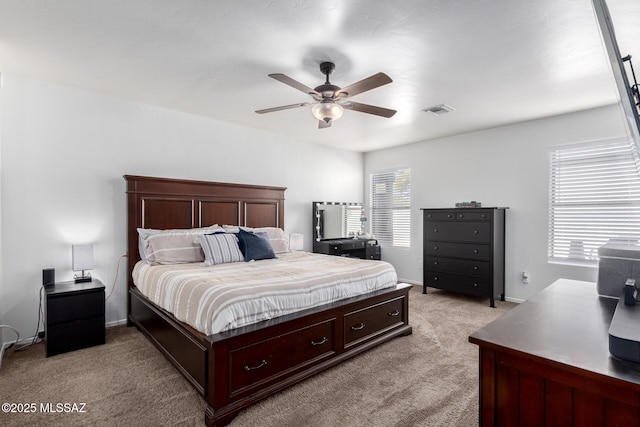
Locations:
(327, 111)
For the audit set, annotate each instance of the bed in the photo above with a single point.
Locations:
(235, 368)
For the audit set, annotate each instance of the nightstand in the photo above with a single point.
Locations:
(74, 316)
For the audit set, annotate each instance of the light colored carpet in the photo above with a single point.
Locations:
(429, 378)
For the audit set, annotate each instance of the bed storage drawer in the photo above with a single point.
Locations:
(371, 321)
(257, 363)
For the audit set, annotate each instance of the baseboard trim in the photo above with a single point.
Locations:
(411, 282)
(116, 323)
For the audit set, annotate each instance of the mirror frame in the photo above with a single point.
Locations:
(316, 218)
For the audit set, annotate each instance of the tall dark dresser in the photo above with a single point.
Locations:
(463, 251)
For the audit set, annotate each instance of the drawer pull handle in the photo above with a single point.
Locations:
(249, 368)
(475, 231)
(484, 215)
(475, 267)
(461, 216)
(435, 278)
(475, 251)
(435, 248)
(395, 313)
(449, 216)
(324, 340)
(357, 328)
(435, 230)
(475, 284)
(435, 262)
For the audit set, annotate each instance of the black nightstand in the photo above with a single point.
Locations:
(74, 316)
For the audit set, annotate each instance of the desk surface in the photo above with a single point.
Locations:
(567, 324)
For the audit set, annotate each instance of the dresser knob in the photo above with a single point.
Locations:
(475, 284)
(435, 263)
(475, 231)
(484, 215)
(430, 216)
(435, 278)
(435, 230)
(449, 216)
(475, 251)
(435, 248)
(461, 216)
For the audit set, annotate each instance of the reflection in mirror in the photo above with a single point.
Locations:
(333, 220)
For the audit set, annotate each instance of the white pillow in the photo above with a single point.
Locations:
(279, 241)
(220, 248)
(175, 246)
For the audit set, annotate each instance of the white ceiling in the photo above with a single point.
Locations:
(495, 61)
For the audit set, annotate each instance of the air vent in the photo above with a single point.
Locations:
(438, 110)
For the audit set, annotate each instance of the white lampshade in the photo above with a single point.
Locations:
(296, 242)
(327, 110)
(82, 257)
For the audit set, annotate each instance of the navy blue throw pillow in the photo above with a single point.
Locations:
(254, 247)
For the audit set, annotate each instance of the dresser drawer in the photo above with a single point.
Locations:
(368, 322)
(459, 266)
(473, 216)
(257, 363)
(63, 337)
(459, 232)
(439, 216)
(458, 250)
(479, 286)
(66, 307)
(336, 247)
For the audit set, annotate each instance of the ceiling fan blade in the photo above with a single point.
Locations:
(323, 125)
(294, 84)
(284, 107)
(369, 109)
(364, 85)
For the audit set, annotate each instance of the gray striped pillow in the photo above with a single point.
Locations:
(220, 248)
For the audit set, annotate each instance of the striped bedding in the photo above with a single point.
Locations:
(226, 296)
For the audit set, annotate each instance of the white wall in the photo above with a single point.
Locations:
(63, 155)
(506, 166)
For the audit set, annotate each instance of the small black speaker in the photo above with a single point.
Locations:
(48, 276)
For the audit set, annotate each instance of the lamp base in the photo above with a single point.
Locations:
(82, 279)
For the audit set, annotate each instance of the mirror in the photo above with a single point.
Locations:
(335, 220)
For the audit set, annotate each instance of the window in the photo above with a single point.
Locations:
(391, 207)
(594, 198)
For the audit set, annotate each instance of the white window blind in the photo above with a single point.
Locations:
(594, 198)
(391, 207)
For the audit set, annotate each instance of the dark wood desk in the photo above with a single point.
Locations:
(547, 362)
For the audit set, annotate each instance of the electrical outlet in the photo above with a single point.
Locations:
(525, 277)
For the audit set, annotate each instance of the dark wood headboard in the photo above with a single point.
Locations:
(164, 203)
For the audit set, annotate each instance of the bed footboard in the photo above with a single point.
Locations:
(235, 369)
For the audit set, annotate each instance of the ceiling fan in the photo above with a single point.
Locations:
(330, 101)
